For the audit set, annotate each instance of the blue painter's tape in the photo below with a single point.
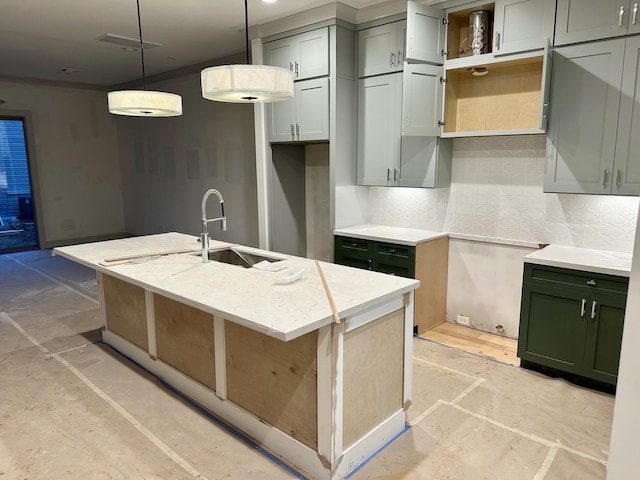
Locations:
(213, 418)
(367, 460)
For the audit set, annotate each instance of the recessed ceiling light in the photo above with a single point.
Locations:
(269, 1)
(129, 49)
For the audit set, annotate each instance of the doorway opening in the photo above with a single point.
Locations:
(17, 223)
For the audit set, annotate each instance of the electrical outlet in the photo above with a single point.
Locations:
(462, 320)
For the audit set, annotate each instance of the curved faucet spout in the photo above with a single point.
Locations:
(207, 194)
(223, 221)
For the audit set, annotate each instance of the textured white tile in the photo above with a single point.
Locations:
(496, 190)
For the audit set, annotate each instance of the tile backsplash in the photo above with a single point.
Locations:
(496, 191)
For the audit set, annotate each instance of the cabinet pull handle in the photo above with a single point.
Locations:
(291, 66)
(297, 69)
(620, 15)
(583, 307)
(635, 13)
(395, 174)
(594, 305)
(400, 57)
(605, 180)
(619, 179)
(293, 133)
(388, 174)
(497, 40)
(298, 131)
(393, 60)
(591, 283)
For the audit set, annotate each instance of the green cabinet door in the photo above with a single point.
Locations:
(604, 337)
(553, 327)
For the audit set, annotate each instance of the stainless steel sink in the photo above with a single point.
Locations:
(239, 257)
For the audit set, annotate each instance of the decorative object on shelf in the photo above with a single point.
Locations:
(144, 103)
(247, 83)
(479, 29)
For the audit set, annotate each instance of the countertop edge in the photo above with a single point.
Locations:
(618, 272)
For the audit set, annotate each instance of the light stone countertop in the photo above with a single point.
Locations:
(250, 297)
(574, 258)
(399, 235)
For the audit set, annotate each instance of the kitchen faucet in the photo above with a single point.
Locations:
(204, 237)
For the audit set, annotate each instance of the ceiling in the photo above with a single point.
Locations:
(41, 38)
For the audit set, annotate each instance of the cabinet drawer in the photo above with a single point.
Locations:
(539, 274)
(395, 269)
(350, 244)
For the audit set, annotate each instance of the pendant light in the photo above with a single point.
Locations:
(144, 103)
(247, 83)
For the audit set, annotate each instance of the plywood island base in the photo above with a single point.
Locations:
(325, 401)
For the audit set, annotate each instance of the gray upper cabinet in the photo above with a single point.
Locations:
(379, 123)
(385, 156)
(426, 34)
(626, 168)
(381, 49)
(305, 117)
(305, 54)
(522, 25)
(585, 99)
(422, 100)
(585, 20)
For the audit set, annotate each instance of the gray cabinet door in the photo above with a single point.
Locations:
(425, 34)
(312, 109)
(521, 25)
(585, 96)
(422, 100)
(626, 168)
(305, 54)
(280, 121)
(425, 162)
(379, 117)
(378, 49)
(280, 53)
(585, 20)
(312, 54)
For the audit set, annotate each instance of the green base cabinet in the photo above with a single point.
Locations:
(376, 256)
(572, 321)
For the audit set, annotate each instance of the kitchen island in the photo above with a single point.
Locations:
(261, 349)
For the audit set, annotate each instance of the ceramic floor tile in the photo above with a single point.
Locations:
(451, 445)
(567, 466)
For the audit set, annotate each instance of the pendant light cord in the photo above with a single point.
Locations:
(144, 79)
(246, 28)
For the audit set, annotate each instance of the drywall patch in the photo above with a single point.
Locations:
(138, 156)
(169, 162)
(193, 164)
(211, 155)
(152, 158)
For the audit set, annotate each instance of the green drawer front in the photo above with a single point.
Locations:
(543, 275)
(352, 244)
(395, 270)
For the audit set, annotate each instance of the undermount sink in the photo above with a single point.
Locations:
(238, 257)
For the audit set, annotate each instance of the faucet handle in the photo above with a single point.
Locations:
(223, 225)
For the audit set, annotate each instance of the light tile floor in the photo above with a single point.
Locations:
(71, 408)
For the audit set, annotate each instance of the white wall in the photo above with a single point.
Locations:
(624, 461)
(168, 163)
(77, 184)
(496, 193)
